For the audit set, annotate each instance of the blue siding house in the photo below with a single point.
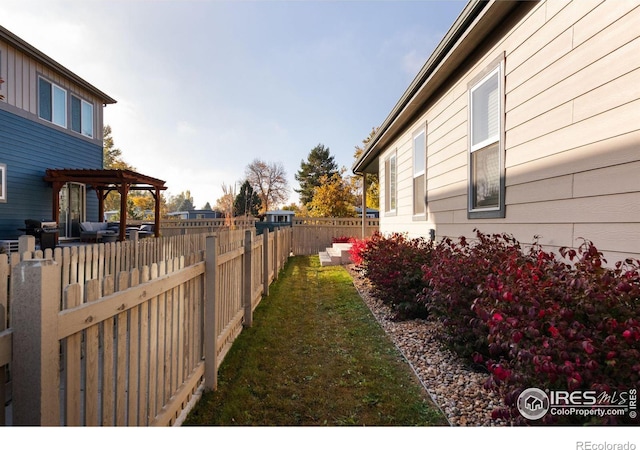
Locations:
(49, 118)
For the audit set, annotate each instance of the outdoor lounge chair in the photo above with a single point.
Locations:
(93, 231)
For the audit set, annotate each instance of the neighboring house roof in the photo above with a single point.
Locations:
(36, 54)
(281, 212)
(477, 20)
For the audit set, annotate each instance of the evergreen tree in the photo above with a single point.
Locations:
(319, 163)
(247, 202)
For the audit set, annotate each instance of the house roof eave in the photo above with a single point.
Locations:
(476, 21)
(36, 54)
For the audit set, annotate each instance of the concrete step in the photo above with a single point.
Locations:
(344, 247)
(325, 259)
(335, 255)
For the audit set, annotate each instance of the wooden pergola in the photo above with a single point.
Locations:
(105, 181)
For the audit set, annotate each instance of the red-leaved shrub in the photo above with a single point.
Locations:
(393, 266)
(531, 318)
(357, 247)
(561, 326)
(454, 276)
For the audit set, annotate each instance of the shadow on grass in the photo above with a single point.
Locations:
(314, 356)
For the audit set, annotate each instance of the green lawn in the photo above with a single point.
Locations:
(314, 356)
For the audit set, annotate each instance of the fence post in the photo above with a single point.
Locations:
(35, 289)
(26, 243)
(4, 281)
(265, 262)
(210, 329)
(276, 232)
(248, 280)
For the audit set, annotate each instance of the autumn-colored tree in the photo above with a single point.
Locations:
(111, 155)
(299, 210)
(225, 203)
(333, 198)
(373, 185)
(112, 159)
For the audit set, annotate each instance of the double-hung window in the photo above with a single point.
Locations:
(52, 102)
(81, 116)
(390, 184)
(486, 160)
(419, 172)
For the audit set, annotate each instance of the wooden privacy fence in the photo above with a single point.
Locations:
(132, 347)
(176, 227)
(312, 235)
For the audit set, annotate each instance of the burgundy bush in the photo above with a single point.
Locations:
(357, 247)
(564, 327)
(531, 318)
(393, 266)
(457, 272)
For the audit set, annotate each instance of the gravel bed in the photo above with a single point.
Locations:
(456, 389)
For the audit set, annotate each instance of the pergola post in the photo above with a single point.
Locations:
(124, 193)
(100, 194)
(364, 204)
(156, 215)
(55, 209)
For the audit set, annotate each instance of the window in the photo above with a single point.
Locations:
(81, 116)
(3, 183)
(486, 163)
(419, 172)
(390, 177)
(52, 103)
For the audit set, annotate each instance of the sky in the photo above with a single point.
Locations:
(204, 87)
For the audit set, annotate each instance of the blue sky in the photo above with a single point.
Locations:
(204, 87)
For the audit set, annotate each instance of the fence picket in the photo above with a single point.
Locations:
(72, 363)
(92, 365)
(121, 354)
(153, 349)
(134, 354)
(108, 360)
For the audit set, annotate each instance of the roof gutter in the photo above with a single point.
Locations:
(36, 54)
(465, 22)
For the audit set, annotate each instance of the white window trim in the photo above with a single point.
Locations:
(500, 210)
(66, 103)
(3, 180)
(495, 138)
(391, 211)
(423, 172)
(83, 102)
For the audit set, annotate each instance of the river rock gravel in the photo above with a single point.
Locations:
(454, 387)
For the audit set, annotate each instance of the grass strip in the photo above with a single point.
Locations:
(314, 356)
